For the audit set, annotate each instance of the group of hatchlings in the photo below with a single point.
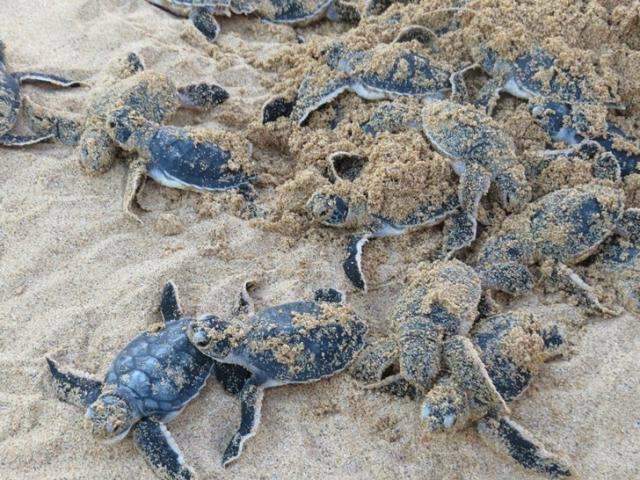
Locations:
(463, 366)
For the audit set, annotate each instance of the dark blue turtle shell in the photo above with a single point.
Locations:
(509, 378)
(177, 160)
(159, 372)
(569, 223)
(9, 100)
(322, 350)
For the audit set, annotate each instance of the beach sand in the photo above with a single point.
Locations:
(78, 280)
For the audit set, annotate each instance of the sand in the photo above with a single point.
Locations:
(78, 279)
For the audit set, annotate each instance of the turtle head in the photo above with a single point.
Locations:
(213, 337)
(328, 209)
(111, 417)
(513, 188)
(444, 409)
(124, 125)
(97, 151)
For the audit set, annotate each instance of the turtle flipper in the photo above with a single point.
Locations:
(352, 265)
(169, 304)
(343, 11)
(460, 232)
(328, 295)
(275, 108)
(505, 436)
(312, 96)
(135, 180)
(509, 277)
(250, 403)
(160, 450)
(75, 389)
(244, 303)
(231, 377)
(45, 122)
(489, 95)
(202, 95)
(24, 140)
(204, 20)
(629, 225)
(39, 77)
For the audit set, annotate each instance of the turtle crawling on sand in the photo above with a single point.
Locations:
(11, 101)
(147, 385)
(512, 347)
(202, 13)
(439, 305)
(298, 342)
(386, 71)
(561, 228)
(178, 157)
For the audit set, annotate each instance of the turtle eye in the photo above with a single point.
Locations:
(112, 124)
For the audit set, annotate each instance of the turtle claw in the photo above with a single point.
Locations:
(160, 450)
(505, 436)
(204, 20)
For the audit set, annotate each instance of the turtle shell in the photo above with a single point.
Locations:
(301, 342)
(9, 100)
(160, 371)
(295, 12)
(569, 224)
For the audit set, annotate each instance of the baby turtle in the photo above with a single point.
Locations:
(618, 153)
(438, 305)
(512, 346)
(387, 71)
(298, 342)
(202, 13)
(11, 101)
(532, 75)
(424, 204)
(147, 385)
(178, 157)
(560, 229)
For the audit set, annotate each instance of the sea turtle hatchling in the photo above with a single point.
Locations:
(178, 157)
(11, 101)
(386, 71)
(438, 306)
(560, 229)
(424, 198)
(202, 13)
(533, 74)
(147, 385)
(298, 342)
(512, 346)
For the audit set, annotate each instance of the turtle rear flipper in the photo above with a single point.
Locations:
(169, 304)
(24, 140)
(80, 390)
(204, 20)
(43, 121)
(505, 436)
(202, 95)
(160, 450)
(231, 377)
(39, 77)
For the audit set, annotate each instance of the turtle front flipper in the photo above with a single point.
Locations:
(135, 180)
(45, 122)
(352, 265)
(277, 107)
(24, 140)
(80, 390)
(250, 404)
(39, 77)
(169, 304)
(205, 21)
(489, 95)
(315, 92)
(231, 377)
(160, 450)
(202, 95)
(506, 437)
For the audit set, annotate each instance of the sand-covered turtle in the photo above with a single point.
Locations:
(384, 72)
(388, 200)
(440, 304)
(178, 157)
(512, 347)
(534, 74)
(558, 230)
(202, 13)
(11, 101)
(147, 385)
(298, 342)
(568, 124)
